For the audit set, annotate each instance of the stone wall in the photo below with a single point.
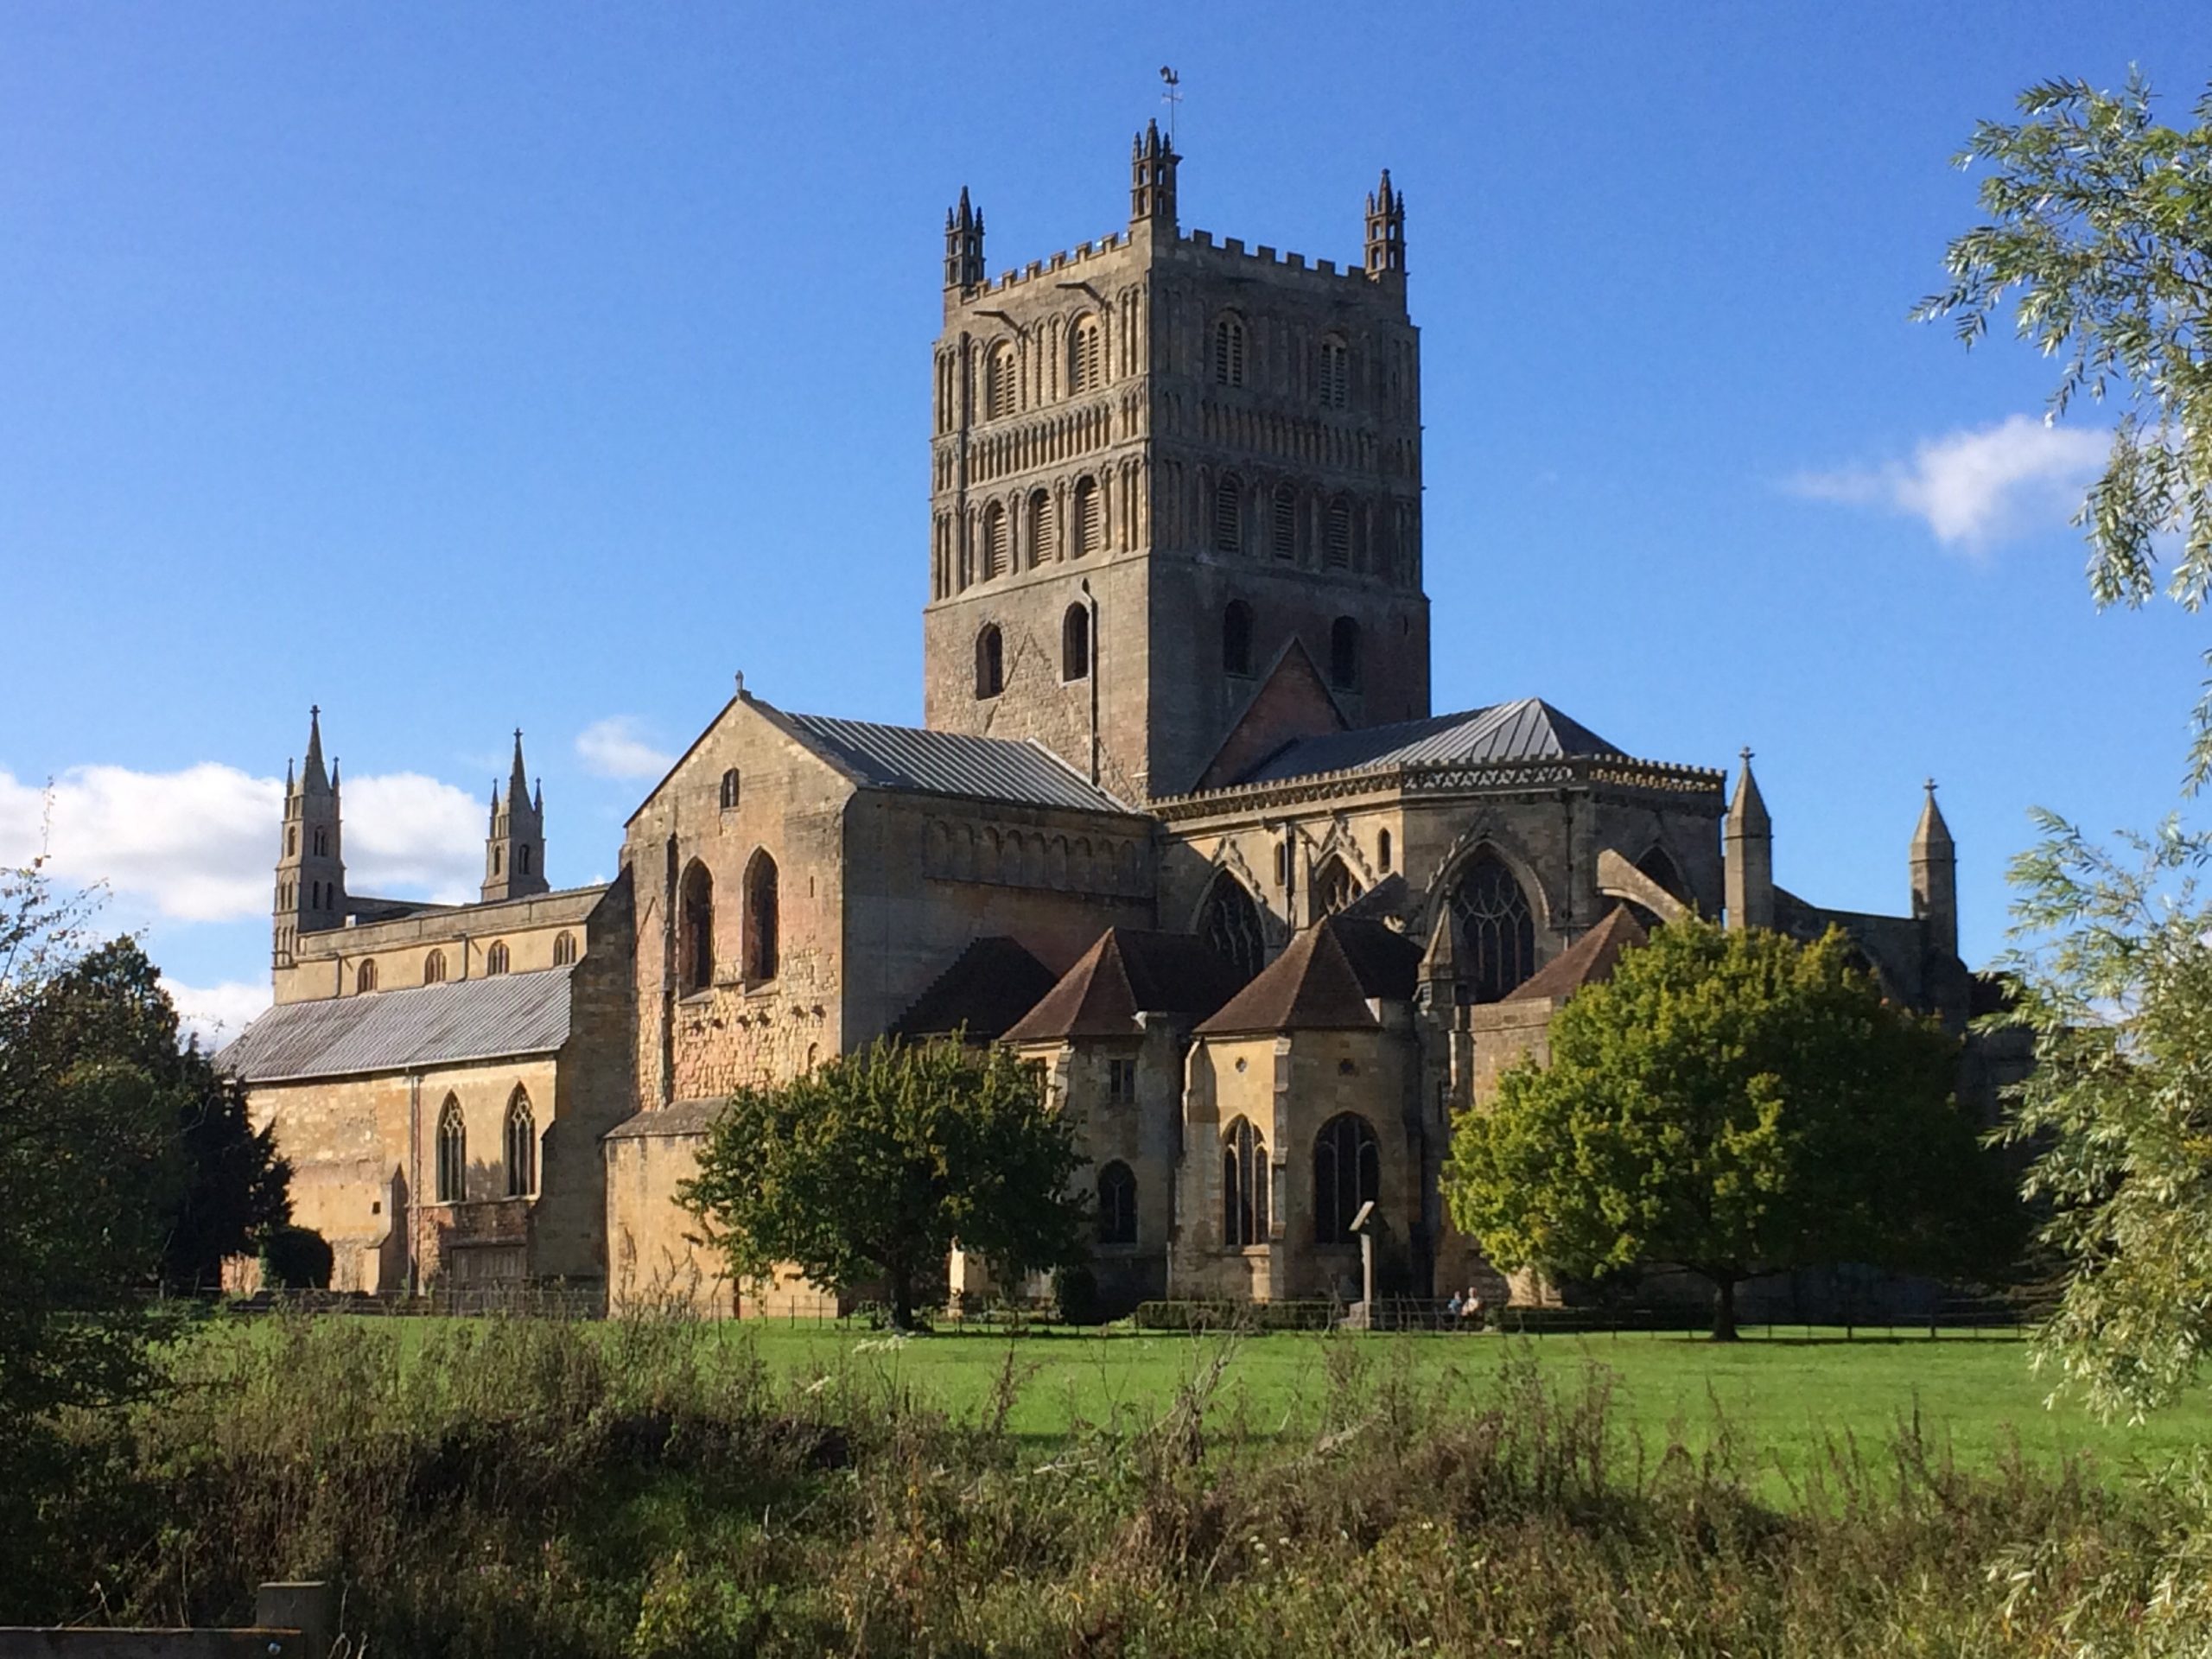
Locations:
(328, 963)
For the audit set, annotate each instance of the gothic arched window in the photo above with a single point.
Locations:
(1382, 851)
(1236, 638)
(495, 958)
(1244, 1186)
(1228, 351)
(1074, 642)
(1334, 381)
(453, 1153)
(1661, 869)
(364, 976)
(1087, 529)
(728, 795)
(1117, 1205)
(990, 662)
(1040, 528)
(521, 1146)
(1283, 531)
(434, 968)
(760, 919)
(1334, 887)
(1343, 654)
(1497, 927)
(999, 384)
(1230, 922)
(695, 929)
(564, 950)
(1229, 514)
(1086, 365)
(1347, 1172)
(1338, 545)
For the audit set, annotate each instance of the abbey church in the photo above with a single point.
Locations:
(1181, 825)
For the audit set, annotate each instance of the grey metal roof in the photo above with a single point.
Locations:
(678, 1118)
(392, 1030)
(1530, 729)
(952, 763)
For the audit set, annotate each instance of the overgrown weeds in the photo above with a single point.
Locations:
(649, 1487)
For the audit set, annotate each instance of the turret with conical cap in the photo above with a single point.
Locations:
(310, 890)
(1747, 849)
(1936, 877)
(514, 852)
(1152, 178)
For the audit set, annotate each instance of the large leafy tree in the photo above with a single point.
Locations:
(2100, 234)
(874, 1166)
(1735, 1102)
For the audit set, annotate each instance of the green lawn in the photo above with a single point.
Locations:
(1784, 1395)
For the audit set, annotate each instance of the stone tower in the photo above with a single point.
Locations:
(1158, 464)
(514, 851)
(1936, 877)
(310, 866)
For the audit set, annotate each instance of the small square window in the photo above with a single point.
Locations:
(1121, 1080)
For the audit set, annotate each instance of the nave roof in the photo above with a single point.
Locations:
(389, 1031)
(1529, 729)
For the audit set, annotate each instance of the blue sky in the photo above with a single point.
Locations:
(464, 367)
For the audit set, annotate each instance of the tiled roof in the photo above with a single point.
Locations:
(951, 763)
(1129, 971)
(1323, 981)
(1588, 961)
(990, 985)
(390, 1030)
(1530, 729)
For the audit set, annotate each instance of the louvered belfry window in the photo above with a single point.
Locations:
(1085, 361)
(1284, 530)
(1229, 351)
(1229, 514)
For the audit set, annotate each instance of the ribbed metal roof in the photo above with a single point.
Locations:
(1530, 729)
(952, 763)
(392, 1030)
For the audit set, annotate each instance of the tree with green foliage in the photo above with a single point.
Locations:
(875, 1164)
(1734, 1102)
(2101, 221)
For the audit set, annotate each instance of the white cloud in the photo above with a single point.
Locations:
(616, 748)
(199, 845)
(215, 1013)
(1979, 487)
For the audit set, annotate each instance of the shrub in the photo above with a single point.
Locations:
(296, 1258)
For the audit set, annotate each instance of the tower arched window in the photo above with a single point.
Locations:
(1339, 546)
(1347, 1173)
(1230, 922)
(453, 1153)
(761, 943)
(1333, 381)
(1244, 1186)
(1228, 351)
(728, 795)
(434, 968)
(1343, 654)
(522, 859)
(1117, 1205)
(1382, 851)
(495, 958)
(322, 843)
(1086, 361)
(990, 662)
(1040, 528)
(695, 941)
(1282, 528)
(291, 839)
(1087, 530)
(1074, 642)
(999, 384)
(1236, 638)
(521, 1146)
(564, 950)
(1497, 929)
(364, 976)
(996, 548)
(1229, 514)
(498, 857)
(1334, 887)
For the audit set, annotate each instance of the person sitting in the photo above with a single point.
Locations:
(1452, 1308)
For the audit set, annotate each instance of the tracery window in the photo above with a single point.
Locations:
(1228, 351)
(694, 942)
(1074, 642)
(1334, 381)
(1334, 887)
(564, 950)
(434, 968)
(761, 923)
(522, 1147)
(495, 958)
(1497, 928)
(1236, 638)
(1347, 1172)
(1244, 1186)
(1230, 922)
(999, 384)
(1117, 1205)
(453, 1153)
(1085, 362)
(1343, 654)
(1283, 531)
(990, 662)
(1229, 514)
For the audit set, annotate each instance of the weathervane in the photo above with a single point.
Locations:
(1172, 98)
